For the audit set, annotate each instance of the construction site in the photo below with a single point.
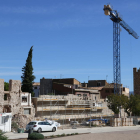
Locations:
(85, 105)
(68, 101)
(71, 110)
(65, 109)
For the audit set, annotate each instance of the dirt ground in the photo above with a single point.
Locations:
(123, 135)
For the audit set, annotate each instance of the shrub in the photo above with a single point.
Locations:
(63, 134)
(68, 134)
(72, 133)
(14, 126)
(2, 137)
(35, 136)
(76, 133)
(58, 135)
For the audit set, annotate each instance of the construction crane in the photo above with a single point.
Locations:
(117, 21)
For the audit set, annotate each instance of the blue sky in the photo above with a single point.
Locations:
(71, 39)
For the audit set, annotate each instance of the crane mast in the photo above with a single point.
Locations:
(117, 22)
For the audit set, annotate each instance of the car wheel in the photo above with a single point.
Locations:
(54, 129)
(39, 130)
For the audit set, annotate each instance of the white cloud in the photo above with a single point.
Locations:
(10, 73)
(10, 67)
(72, 71)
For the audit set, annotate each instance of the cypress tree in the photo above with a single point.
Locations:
(27, 75)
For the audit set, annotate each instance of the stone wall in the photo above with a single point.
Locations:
(136, 79)
(15, 85)
(45, 86)
(1, 94)
(13, 104)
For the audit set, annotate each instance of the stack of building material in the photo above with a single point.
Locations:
(113, 122)
(130, 121)
(95, 122)
(118, 122)
(121, 122)
(126, 121)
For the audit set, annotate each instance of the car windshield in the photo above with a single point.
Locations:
(31, 123)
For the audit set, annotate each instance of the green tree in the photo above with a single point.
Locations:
(114, 103)
(27, 75)
(131, 105)
(6, 86)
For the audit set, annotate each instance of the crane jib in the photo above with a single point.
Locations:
(129, 29)
(115, 17)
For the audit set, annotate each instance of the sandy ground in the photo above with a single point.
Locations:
(123, 135)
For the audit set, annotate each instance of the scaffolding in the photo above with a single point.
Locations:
(70, 108)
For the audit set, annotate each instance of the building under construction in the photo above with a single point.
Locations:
(70, 108)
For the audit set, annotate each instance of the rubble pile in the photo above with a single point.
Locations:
(22, 120)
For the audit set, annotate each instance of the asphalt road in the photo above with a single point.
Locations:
(118, 135)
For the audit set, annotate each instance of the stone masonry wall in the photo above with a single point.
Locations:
(15, 85)
(13, 103)
(136, 80)
(1, 94)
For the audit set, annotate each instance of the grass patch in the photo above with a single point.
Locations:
(52, 136)
(62, 135)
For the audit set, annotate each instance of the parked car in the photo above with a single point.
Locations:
(56, 123)
(40, 126)
(74, 122)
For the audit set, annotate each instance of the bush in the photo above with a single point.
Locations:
(68, 134)
(20, 130)
(63, 134)
(2, 137)
(14, 126)
(35, 136)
